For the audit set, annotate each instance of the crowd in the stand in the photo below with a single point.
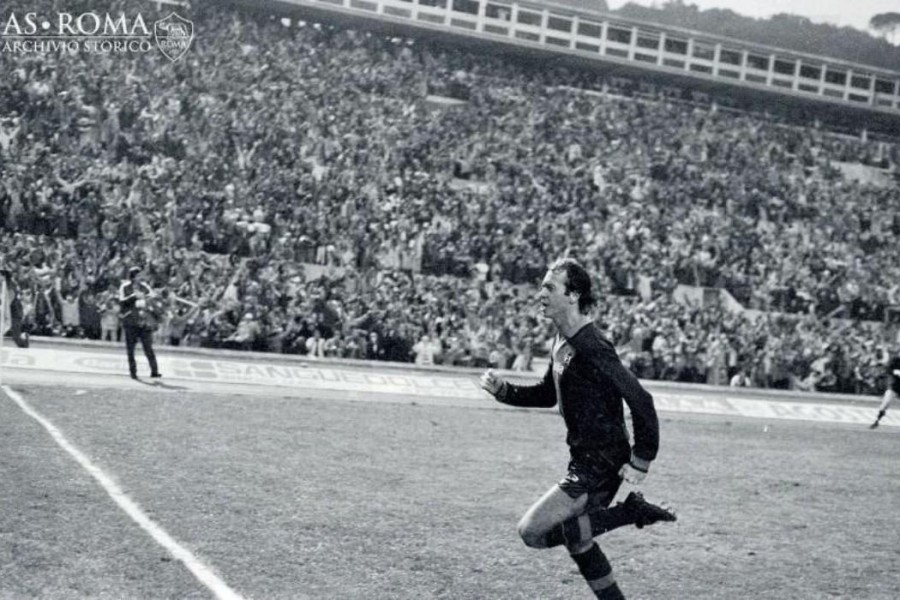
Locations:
(267, 147)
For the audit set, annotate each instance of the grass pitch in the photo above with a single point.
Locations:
(290, 499)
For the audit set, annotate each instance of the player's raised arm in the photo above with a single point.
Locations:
(541, 395)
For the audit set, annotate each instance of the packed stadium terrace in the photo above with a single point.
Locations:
(267, 147)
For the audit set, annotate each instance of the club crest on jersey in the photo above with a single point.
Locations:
(562, 360)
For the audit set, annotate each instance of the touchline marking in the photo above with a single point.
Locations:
(203, 573)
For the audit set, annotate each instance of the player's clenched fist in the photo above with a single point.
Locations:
(632, 474)
(491, 383)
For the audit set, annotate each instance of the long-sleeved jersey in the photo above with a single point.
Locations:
(589, 386)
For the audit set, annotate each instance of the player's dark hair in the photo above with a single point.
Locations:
(577, 281)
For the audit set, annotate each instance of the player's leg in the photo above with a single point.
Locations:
(547, 515)
(147, 343)
(576, 510)
(592, 562)
(560, 517)
(889, 397)
(587, 489)
(597, 572)
(596, 517)
(131, 336)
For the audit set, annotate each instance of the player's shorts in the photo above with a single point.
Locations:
(593, 476)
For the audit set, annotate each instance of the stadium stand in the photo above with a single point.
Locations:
(299, 189)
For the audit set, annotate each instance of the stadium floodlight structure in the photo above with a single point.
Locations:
(614, 43)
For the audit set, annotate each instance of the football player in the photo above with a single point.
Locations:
(588, 382)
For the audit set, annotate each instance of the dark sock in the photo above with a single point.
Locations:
(601, 520)
(596, 570)
(607, 519)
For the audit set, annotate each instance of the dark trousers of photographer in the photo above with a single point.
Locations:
(142, 333)
(19, 336)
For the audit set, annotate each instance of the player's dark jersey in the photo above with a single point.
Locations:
(893, 372)
(590, 387)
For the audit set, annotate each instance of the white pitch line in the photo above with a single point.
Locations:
(203, 573)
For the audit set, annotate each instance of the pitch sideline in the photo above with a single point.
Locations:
(203, 573)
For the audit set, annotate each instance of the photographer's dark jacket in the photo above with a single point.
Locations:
(130, 314)
(592, 384)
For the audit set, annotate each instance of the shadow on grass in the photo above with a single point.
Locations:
(161, 385)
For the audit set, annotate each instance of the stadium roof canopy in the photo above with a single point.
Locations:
(847, 94)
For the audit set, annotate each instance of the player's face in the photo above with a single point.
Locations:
(553, 297)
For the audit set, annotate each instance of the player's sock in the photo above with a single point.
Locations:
(586, 527)
(634, 511)
(596, 570)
